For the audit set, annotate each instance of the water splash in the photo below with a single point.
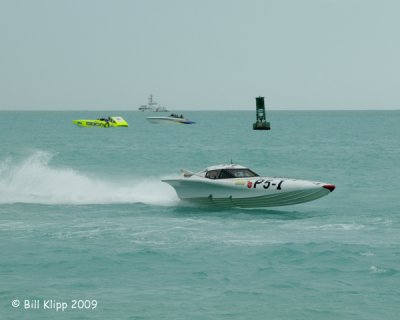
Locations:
(33, 180)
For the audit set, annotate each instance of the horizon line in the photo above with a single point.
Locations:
(253, 109)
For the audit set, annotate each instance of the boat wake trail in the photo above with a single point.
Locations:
(33, 180)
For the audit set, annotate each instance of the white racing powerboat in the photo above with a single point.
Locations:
(232, 185)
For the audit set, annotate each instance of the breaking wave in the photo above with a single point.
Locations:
(33, 180)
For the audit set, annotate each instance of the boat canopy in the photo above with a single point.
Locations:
(230, 173)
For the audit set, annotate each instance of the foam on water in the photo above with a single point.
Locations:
(339, 226)
(34, 180)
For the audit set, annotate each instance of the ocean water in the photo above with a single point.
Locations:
(85, 217)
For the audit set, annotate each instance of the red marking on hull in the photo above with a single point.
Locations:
(330, 187)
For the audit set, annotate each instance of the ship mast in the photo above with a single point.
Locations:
(151, 103)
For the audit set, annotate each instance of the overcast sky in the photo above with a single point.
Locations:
(199, 54)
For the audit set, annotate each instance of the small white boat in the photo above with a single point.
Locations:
(232, 185)
(172, 119)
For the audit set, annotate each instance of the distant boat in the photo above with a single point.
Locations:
(152, 106)
(102, 122)
(172, 119)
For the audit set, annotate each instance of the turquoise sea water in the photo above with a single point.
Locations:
(84, 215)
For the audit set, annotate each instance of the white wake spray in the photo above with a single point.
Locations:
(34, 181)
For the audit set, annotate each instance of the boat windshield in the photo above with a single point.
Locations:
(230, 174)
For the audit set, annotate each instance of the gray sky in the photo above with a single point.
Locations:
(199, 54)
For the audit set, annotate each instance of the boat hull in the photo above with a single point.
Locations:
(116, 123)
(249, 193)
(90, 123)
(168, 120)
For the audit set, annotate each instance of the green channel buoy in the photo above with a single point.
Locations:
(261, 123)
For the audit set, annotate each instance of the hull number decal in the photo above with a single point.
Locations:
(265, 184)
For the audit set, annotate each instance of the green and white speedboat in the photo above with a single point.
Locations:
(102, 122)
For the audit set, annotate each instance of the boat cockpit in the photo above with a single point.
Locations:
(230, 174)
